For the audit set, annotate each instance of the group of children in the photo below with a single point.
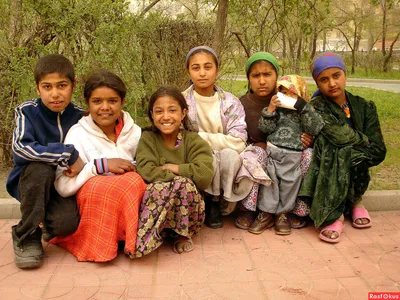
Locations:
(94, 182)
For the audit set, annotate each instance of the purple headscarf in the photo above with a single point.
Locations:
(326, 60)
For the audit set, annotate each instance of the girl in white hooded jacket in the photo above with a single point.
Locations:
(108, 189)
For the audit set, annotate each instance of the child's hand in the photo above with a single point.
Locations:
(261, 145)
(171, 167)
(119, 165)
(273, 104)
(74, 170)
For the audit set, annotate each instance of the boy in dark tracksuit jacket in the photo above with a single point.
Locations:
(41, 125)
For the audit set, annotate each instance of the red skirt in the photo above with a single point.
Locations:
(108, 207)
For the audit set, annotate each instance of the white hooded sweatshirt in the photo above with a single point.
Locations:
(92, 143)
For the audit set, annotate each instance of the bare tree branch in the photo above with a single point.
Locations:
(148, 7)
(237, 34)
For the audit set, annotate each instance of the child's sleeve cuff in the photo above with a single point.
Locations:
(300, 103)
(101, 165)
(74, 157)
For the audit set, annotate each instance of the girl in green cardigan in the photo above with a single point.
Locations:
(177, 164)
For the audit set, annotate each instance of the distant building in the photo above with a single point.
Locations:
(378, 45)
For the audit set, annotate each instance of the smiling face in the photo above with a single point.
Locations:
(262, 78)
(332, 83)
(203, 72)
(55, 90)
(105, 106)
(167, 116)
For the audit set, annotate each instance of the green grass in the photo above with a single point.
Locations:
(375, 74)
(385, 176)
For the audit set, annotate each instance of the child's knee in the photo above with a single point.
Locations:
(37, 170)
(65, 224)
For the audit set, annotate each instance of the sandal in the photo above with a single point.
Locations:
(293, 219)
(336, 226)
(360, 213)
(245, 220)
(183, 240)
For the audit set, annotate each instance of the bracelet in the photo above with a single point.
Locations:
(101, 165)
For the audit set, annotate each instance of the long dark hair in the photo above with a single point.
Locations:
(177, 96)
(104, 79)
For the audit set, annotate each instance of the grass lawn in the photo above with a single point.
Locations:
(363, 73)
(385, 176)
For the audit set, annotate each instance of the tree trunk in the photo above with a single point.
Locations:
(314, 43)
(298, 55)
(384, 27)
(353, 59)
(283, 45)
(15, 10)
(315, 33)
(387, 58)
(353, 50)
(220, 25)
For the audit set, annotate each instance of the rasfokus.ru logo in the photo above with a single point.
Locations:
(384, 295)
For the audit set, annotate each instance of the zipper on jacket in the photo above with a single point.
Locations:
(60, 128)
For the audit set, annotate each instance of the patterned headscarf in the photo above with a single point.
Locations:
(326, 60)
(206, 48)
(296, 84)
(261, 56)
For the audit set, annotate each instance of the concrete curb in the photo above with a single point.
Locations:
(9, 209)
(384, 200)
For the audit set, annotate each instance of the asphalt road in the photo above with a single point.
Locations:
(379, 84)
(393, 87)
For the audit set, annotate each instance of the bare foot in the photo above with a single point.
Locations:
(362, 221)
(337, 230)
(296, 221)
(331, 234)
(183, 244)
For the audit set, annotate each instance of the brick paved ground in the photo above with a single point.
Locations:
(227, 263)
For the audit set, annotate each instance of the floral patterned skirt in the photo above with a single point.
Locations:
(250, 202)
(176, 205)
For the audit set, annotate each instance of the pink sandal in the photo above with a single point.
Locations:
(360, 213)
(336, 226)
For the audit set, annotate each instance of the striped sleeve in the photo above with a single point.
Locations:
(26, 148)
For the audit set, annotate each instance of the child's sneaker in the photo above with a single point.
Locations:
(28, 252)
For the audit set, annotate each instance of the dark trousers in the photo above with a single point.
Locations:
(41, 203)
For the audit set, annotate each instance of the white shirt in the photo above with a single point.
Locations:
(92, 143)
